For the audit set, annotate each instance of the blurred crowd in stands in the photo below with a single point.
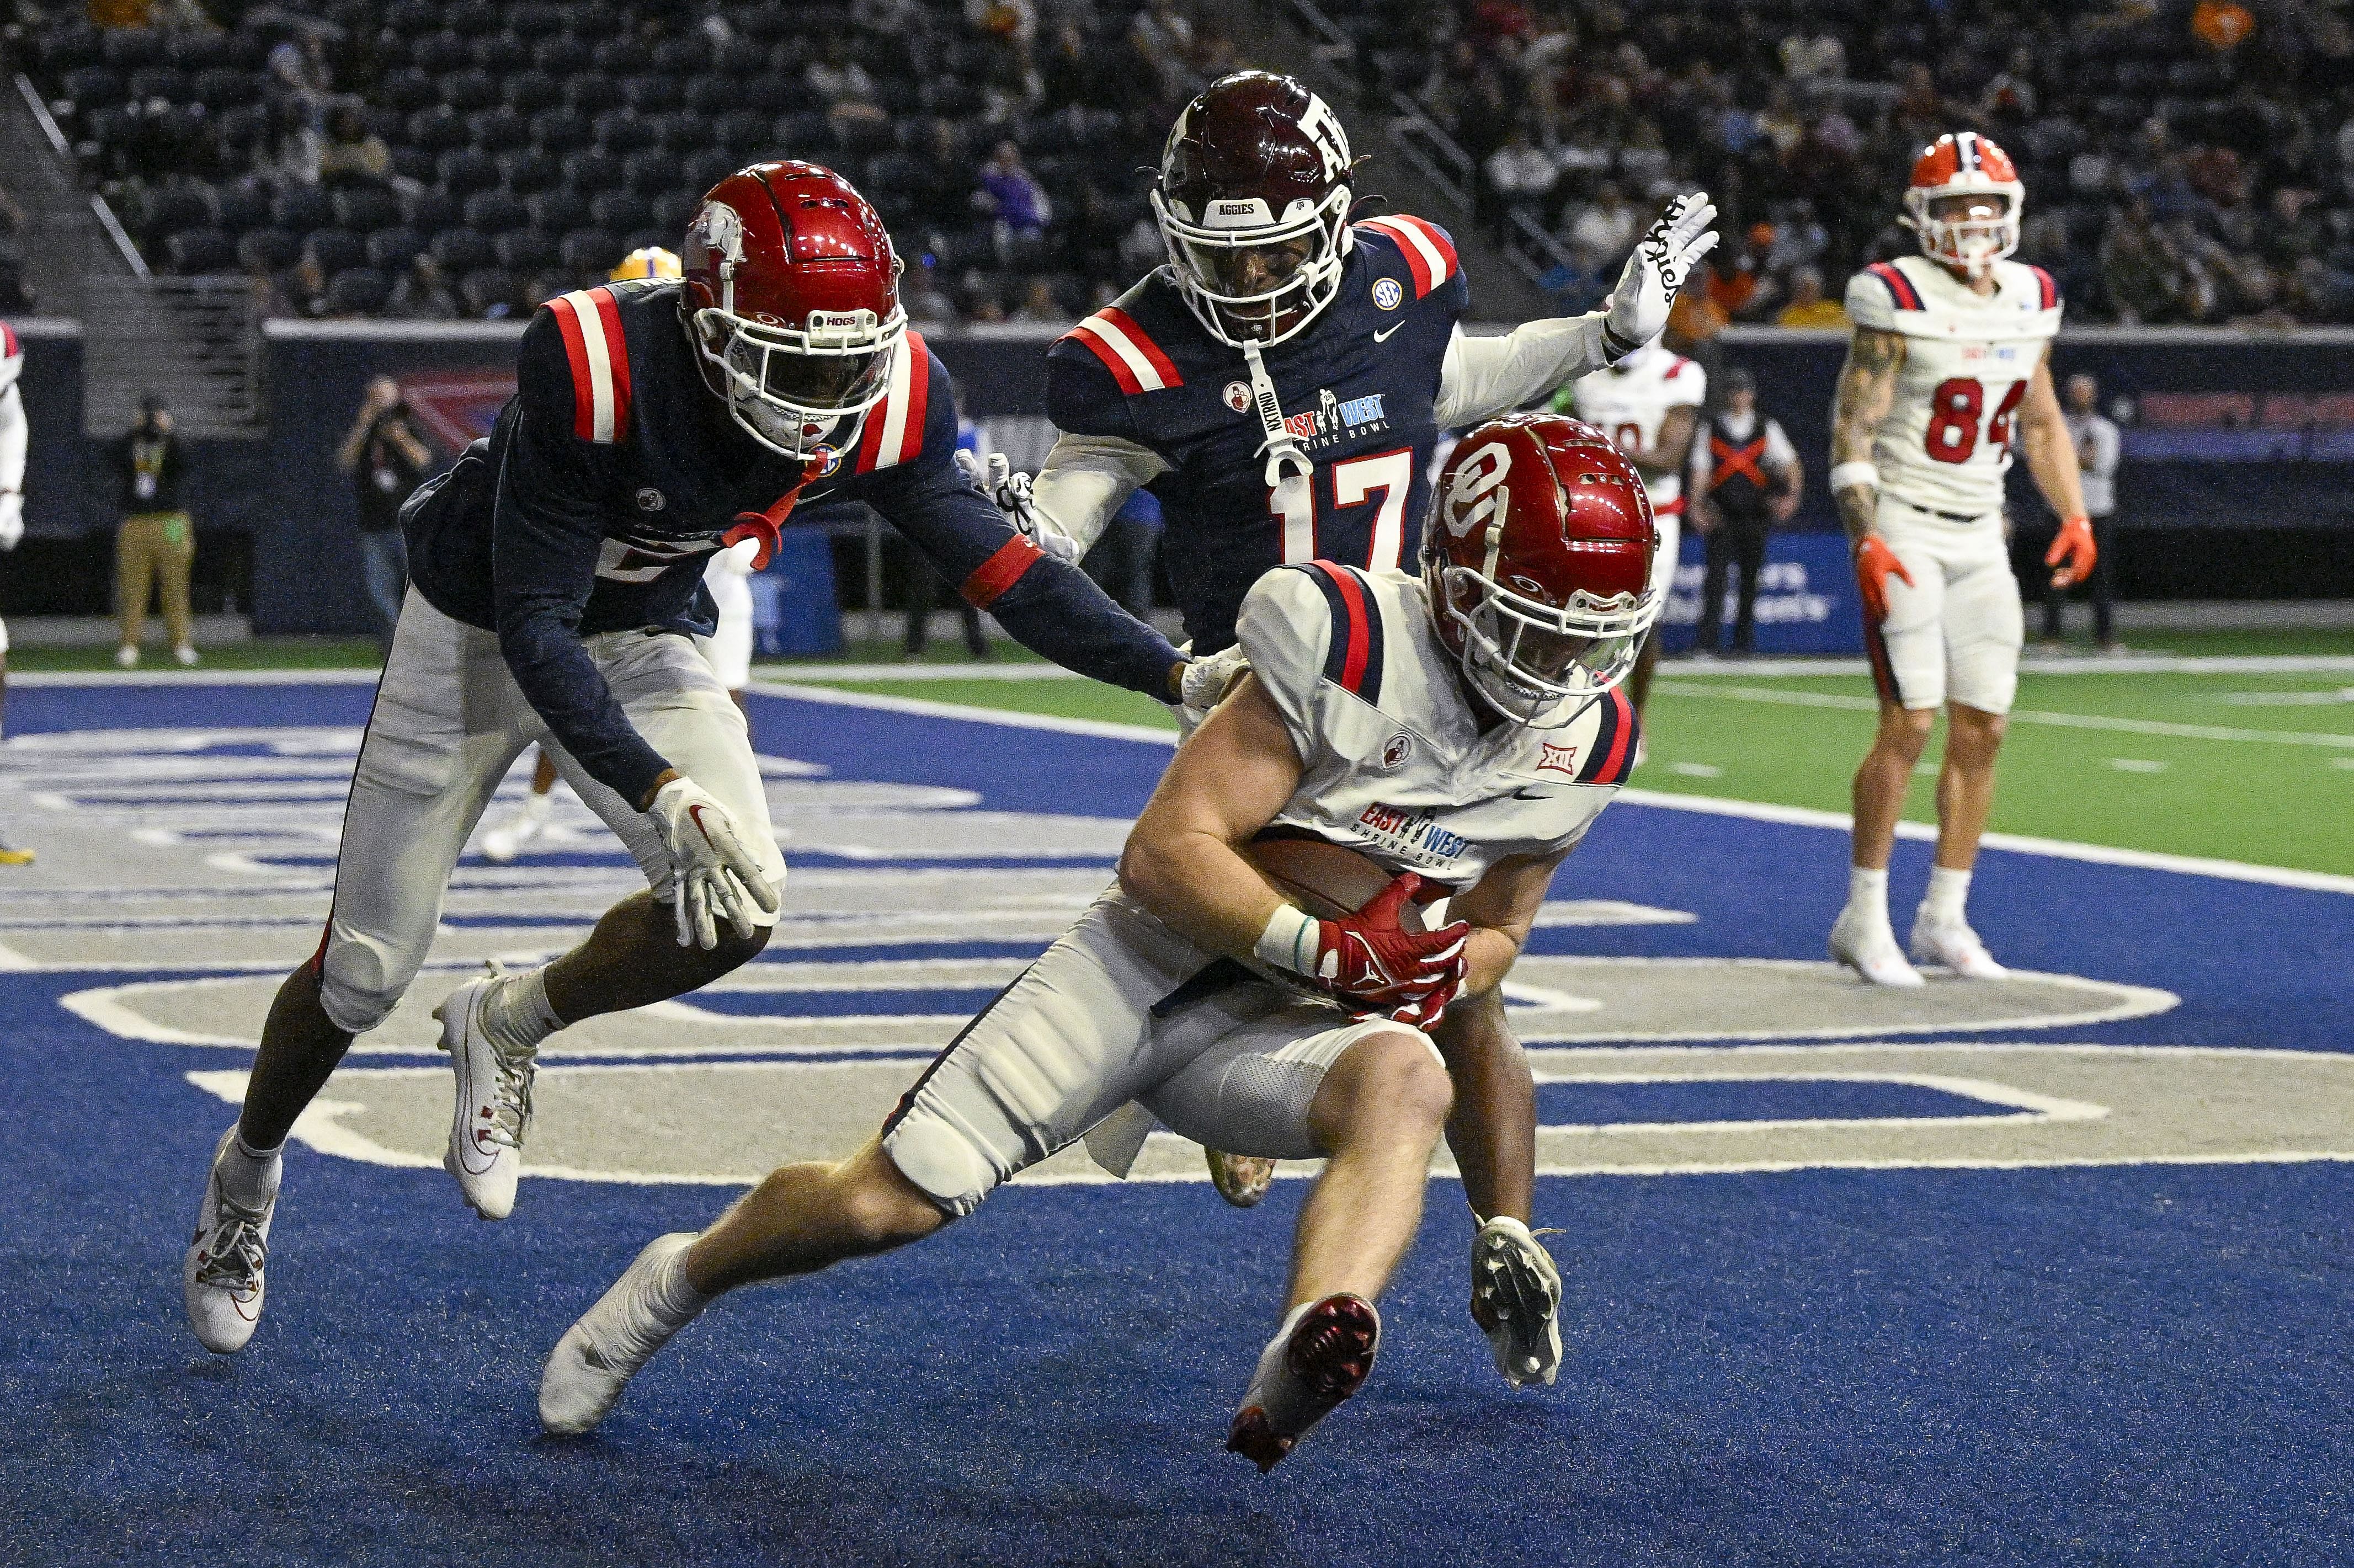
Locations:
(2186, 161)
(443, 159)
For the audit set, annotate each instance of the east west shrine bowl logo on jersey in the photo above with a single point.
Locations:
(1410, 835)
(1334, 420)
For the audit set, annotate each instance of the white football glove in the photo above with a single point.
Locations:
(1516, 1301)
(1206, 682)
(1009, 492)
(713, 872)
(1662, 260)
(12, 520)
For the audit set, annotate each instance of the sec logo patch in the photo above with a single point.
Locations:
(823, 461)
(1237, 396)
(1400, 748)
(1388, 294)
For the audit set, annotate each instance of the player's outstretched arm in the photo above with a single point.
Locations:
(1047, 604)
(2051, 459)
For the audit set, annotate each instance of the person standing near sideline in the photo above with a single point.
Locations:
(156, 544)
(1746, 478)
(387, 460)
(2097, 449)
(13, 438)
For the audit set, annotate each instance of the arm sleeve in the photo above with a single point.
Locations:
(1285, 627)
(1086, 481)
(13, 438)
(1484, 376)
(546, 533)
(1049, 606)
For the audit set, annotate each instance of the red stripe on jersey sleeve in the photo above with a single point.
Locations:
(1908, 298)
(1415, 264)
(576, 351)
(1113, 362)
(617, 358)
(993, 576)
(1621, 743)
(919, 391)
(1439, 242)
(1352, 668)
(2049, 290)
(9, 347)
(1162, 366)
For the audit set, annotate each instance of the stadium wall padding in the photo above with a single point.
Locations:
(286, 492)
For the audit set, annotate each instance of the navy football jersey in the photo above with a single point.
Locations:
(1358, 390)
(613, 473)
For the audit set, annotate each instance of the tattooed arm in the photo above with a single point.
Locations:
(1867, 390)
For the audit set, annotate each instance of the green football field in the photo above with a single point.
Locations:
(2247, 764)
(2253, 762)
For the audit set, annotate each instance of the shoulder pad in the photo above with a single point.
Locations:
(1429, 253)
(893, 432)
(1616, 734)
(1308, 627)
(1879, 295)
(1136, 362)
(599, 358)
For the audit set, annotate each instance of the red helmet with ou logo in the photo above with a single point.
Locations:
(1253, 203)
(1964, 163)
(791, 300)
(1537, 556)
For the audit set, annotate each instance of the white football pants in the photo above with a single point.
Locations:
(1954, 634)
(448, 722)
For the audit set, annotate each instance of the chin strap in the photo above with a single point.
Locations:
(763, 525)
(1286, 465)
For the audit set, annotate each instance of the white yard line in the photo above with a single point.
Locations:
(2022, 716)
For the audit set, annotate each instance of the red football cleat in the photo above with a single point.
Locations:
(1322, 1354)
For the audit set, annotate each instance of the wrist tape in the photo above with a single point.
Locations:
(1290, 941)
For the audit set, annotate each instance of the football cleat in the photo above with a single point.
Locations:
(1320, 1356)
(599, 1355)
(221, 1279)
(493, 1109)
(1241, 1179)
(184, 656)
(1952, 944)
(504, 842)
(1516, 1301)
(127, 656)
(1868, 948)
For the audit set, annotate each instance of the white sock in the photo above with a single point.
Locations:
(249, 1175)
(669, 1296)
(516, 1015)
(1949, 890)
(1866, 892)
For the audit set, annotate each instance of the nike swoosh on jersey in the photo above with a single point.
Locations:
(1383, 336)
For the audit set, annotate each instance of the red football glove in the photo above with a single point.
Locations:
(2074, 547)
(1875, 563)
(1375, 967)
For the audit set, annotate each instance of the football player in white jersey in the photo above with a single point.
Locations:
(13, 436)
(1950, 364)
(1463, 729)
(1649, 403)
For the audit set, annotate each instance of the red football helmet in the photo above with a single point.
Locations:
(1253, 203)
(791, 300)
(1964, 164)
(1537, 556)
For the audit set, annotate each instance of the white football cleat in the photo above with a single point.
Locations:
(1320, 1356)
(1952, 944)
(221, 1280)
(127, 656)
(506, 840)
(185, 656)
(493, 1109)
(1516, 1301)
(1868, 948)
(599, 1355)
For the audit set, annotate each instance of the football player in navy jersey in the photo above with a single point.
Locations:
(1280, 384)
(556, 582)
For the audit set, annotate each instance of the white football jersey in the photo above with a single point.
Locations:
(1946, 443)
(1397, 765)
(1629, 402)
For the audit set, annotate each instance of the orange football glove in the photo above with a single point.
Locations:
(1875, 563)
(2072, 552)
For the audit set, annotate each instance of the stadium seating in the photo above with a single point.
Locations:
(517, 140)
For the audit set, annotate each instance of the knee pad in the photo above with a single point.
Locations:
(356, 991)
(934, 1154)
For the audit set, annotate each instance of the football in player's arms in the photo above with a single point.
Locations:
(557, 583)
(1462, 729)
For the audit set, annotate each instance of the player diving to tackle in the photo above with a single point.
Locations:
(557, 573)
(1281, 383)
(1952, 352)
(1463, 730)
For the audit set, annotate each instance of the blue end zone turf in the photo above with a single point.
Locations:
(2125, 1364)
